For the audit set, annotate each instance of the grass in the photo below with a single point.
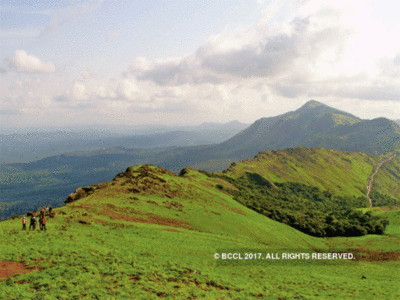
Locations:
(342, 173)
(160, 241)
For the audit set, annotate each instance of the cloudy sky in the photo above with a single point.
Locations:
(185, 62)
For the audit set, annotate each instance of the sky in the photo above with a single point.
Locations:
(106, 62)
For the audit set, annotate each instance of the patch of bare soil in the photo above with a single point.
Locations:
(173, 204)
(100, 221)
(84, 222)
(114, 213)
(236, 210)
(209, 284)
(135, 277)
(11, 268)
(152, 202)
(371, 255)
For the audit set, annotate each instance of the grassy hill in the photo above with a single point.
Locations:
(151, 234)
(342, 173)
(41, 180)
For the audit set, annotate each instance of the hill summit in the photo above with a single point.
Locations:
(315, 125)
(318, 109)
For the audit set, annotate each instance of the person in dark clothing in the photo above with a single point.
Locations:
(23, 223)
(32, 222)
(32, 225)
(40, 222)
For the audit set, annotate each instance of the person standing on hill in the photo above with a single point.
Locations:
(40, 222)
(23, 223)
(32, 223)
(44, 223)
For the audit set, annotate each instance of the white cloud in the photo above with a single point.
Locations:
(78, 91)
(23, 62)
(102, 92)
(326, 48)
(129, 90)
(141, 64)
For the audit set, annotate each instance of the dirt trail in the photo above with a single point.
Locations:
(371, 179)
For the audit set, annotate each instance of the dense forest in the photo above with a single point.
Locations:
(308, 209)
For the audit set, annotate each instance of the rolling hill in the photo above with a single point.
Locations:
(150, 234)
(341, 173)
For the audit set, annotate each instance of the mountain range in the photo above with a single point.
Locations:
(312, 125)
(22, 147)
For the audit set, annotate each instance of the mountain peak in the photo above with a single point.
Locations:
(318, 109)
(312, 104)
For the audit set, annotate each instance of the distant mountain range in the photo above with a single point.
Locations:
(35, 145)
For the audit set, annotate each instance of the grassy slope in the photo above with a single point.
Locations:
(392, 214)
(123, 254)
(387, 180)
(340, 172)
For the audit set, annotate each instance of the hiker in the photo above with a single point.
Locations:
(43, 224)
(23, 223)
(33, 221)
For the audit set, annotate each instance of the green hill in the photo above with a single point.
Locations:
(341, 173)
(151, 234)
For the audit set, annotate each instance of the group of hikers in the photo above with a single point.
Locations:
(42, 220)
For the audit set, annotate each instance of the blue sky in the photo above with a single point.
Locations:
(186, 62)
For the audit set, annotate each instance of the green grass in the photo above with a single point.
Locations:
(117, 256)
(343, 173)
(390, 213)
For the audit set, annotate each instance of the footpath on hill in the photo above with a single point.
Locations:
(371, 179)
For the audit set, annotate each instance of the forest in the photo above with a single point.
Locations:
(306, 208)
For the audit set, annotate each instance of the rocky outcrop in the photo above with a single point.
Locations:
(80, 193)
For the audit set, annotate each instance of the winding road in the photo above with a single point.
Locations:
(371, 179)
